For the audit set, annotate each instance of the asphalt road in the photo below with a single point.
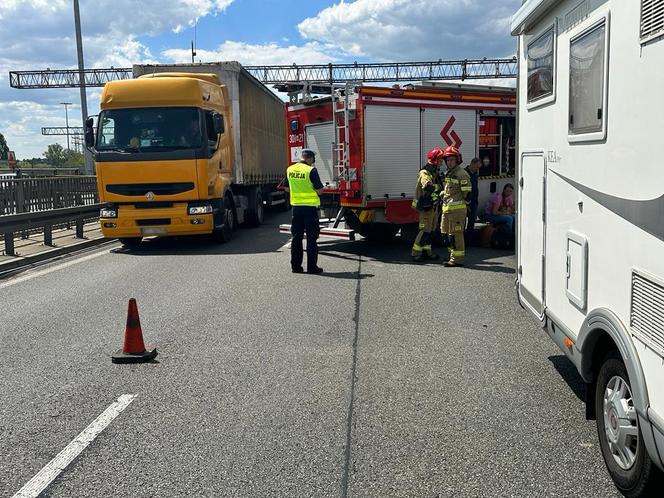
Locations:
(441, 384)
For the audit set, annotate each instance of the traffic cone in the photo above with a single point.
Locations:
(133, 350)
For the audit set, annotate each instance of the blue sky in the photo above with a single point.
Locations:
(36, 34)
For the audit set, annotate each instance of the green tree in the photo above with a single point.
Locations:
(4, 148)
(55, 155)
(73, 158)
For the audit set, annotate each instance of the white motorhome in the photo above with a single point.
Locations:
(591, 211)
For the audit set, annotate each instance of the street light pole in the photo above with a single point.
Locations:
(66, 104)
(89, 167)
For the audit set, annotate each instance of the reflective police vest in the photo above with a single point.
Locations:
(302, 192)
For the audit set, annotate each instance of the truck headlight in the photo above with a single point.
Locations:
(108, 212)
(195, 209)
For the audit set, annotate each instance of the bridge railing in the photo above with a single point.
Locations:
(28, 195)
(45, 221)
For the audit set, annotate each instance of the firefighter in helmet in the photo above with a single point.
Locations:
(456, 194)
(426, 202)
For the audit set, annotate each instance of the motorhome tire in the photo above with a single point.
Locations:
(619, 433)
(131, 242)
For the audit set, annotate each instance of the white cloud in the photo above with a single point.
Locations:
(36, 34)
(416, 29)
(258, 54)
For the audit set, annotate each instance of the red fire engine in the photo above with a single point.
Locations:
(371, 141)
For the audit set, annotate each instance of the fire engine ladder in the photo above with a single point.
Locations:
(341, 118)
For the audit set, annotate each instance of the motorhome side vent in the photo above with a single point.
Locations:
(652, 19)
(647, 313)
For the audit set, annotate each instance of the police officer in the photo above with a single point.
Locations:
(456, 192)
(426, 202)
(304, 185)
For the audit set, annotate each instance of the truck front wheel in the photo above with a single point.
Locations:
(225, 226)
(619, 433)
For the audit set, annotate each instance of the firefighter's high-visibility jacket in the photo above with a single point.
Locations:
(426, 190)
(456, 191)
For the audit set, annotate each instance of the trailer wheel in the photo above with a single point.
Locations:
(286, 205)
(621, 441)
(256, 213)
(131, 242)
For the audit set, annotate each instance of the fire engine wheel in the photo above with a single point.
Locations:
(619, 433)
(378, 232)
(131, 242)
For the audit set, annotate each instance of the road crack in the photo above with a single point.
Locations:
(351, 408)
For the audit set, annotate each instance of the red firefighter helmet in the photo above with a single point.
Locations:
(452, 151)
(435, 155)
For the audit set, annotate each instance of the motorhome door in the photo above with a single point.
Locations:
(531, 231)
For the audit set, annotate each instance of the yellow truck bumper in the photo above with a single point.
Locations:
(170, 221)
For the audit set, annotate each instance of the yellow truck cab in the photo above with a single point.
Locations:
(166, 159)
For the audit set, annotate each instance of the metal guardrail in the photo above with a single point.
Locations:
(12, 174)
(46, 221)
(23, 195)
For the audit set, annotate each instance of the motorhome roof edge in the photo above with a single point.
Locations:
(530, 11)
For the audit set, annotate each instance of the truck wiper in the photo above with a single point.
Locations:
(117, 149)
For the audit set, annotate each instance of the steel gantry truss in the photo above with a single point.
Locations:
(279, 75)
(62, 130)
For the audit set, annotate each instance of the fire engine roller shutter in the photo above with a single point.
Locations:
(319, 138)
(392, 150)
(464, 125)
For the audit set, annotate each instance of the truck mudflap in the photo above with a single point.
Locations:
(327, 229)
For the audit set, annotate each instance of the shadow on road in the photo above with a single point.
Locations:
(570, 375)
(263, 239)
(397, 252)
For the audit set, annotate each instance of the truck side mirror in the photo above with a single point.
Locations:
(218, 120)
(89, 133)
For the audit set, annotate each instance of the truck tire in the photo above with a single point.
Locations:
(131, 242)
(621, 441)
(224, 233)
(256, 211)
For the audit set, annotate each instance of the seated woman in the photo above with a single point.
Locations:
(500, 209)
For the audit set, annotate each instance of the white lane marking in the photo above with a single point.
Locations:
(46, 271)
(55, 467)
(285, 246)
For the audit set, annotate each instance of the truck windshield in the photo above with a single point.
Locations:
(149, 129)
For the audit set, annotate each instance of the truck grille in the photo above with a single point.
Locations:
(647, 311)
(153, 205)
(153, 222)
(140, 189)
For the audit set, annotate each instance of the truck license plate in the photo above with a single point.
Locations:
(153, 231)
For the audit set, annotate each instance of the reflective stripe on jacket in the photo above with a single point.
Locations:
(457, 188)
(302, 192)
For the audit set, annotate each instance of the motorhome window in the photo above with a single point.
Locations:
(652, 20)
(540, 66)
(586, 81)
(149, 129)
